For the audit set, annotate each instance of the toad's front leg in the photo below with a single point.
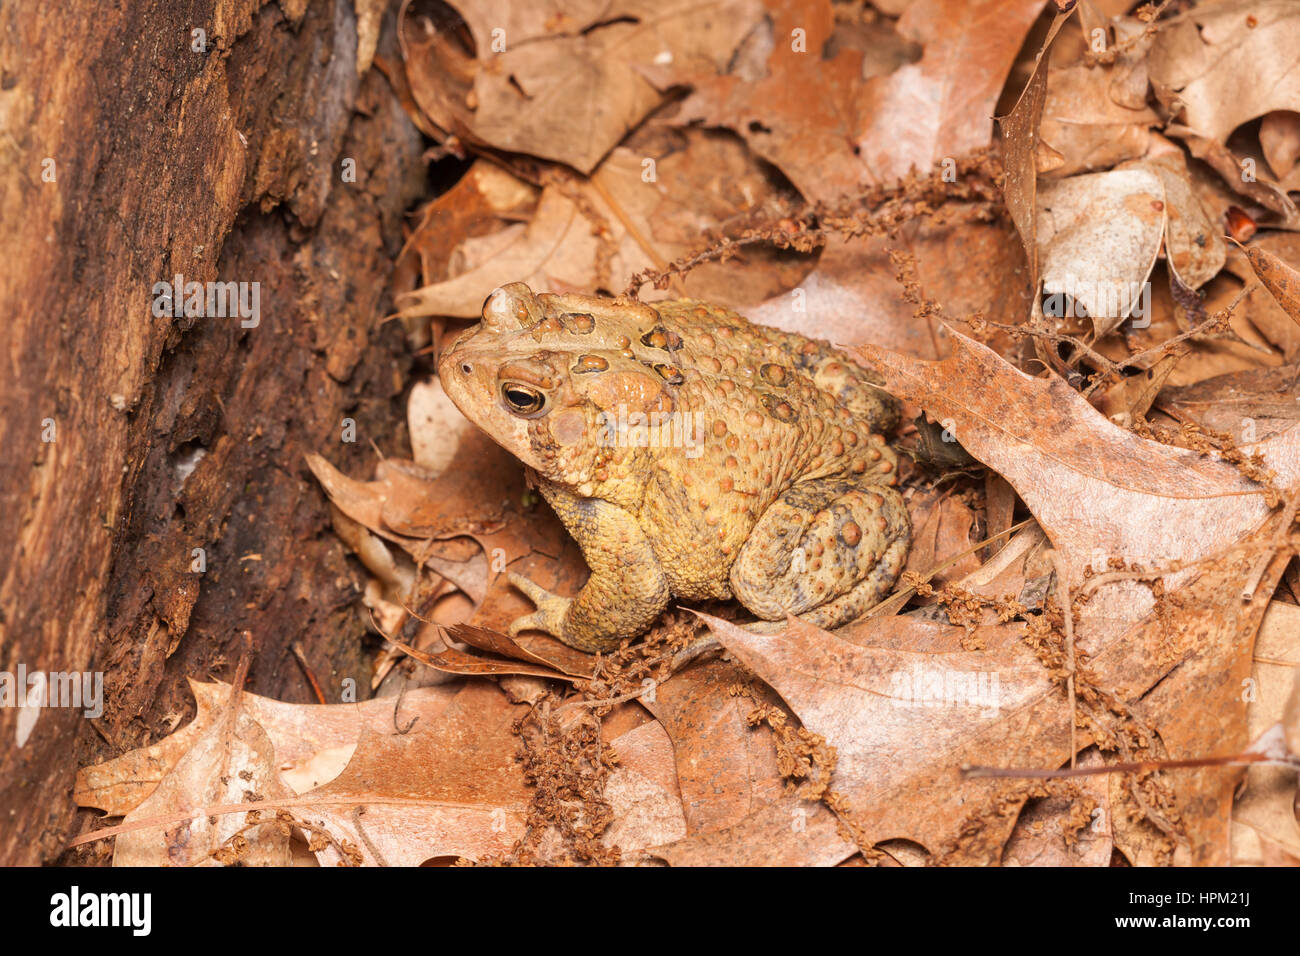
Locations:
(626, 591)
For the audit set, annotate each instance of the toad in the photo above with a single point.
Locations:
(691, 454)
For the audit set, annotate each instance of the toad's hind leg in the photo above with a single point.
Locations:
(826, 550)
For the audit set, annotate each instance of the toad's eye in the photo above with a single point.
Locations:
(522, 399)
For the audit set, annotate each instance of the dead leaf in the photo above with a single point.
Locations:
(484, 200)
(231, 762)
(1266, 808)
(798, 111)
(556, 249)
(643, 792)
(305, 739)
(1250, 406)
(1228, 63)
(903, 723)
(941, 530)
(1259, 307)
(561, 81)
(563, 661)
(449, 787)
(726, 768)
(787, 832)
(853, 297)
(1282, 281)
(1242, 177)
(1098, 491)
(926, 111)
(1200, 709)
(1072, 830)
(1087, 126)
(830, 131)
(1020, 133)
(1279, 137)
(1098, 236)
(1194, 246)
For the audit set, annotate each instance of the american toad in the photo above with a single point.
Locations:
(689, 453)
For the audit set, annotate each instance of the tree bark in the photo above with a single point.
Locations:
(136, 149)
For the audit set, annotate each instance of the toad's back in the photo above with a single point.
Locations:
(774, 409)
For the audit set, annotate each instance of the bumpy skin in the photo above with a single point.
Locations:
(765, 477)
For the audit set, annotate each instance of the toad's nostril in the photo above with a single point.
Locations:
(466, 367)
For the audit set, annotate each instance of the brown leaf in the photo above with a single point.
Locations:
(1085, 124)
(1257, 186)
(1194, 246)
(432, 774)
(1020, 139)
(1240, 347)
(1130, 78)
(1102, 492)
(479, 203)
(1098, 237)
(1279, 137)
(926, 111)
(718, 186)
(1259, 307)
(1051, 832)
(830, 131)
(454, 786)
(899, 747)
(120, 785)
(563, 81)
(1229, 63)
(306, 739)
(593, 235)
(1200, 709)
(726, 768)
(737, 809)
(1097, 490)
(904, 720)
(557, 249)
(1266, 806)
(788, 832)
(403, 504)
(1000, 509)
(1281, 280)
(452, 660)
(809, 110)
(941, 530)
(643, 792)
(1129, 399)
(232, 762)
(1250, 406)
(853, 297)
(559, 657)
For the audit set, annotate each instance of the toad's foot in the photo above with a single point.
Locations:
(551, 608)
